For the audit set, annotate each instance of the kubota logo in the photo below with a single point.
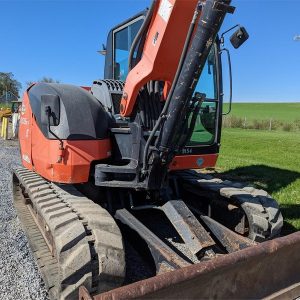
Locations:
(200, 162)
(23, 109)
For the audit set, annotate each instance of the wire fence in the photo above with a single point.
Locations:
(266, 124)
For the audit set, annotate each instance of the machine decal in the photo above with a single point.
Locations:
(187, 151)
(26, 158)
(155, 38)
(165, 10)
(23, 109)
(24, 121)
(200, 162)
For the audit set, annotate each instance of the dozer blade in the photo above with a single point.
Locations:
(270, 270)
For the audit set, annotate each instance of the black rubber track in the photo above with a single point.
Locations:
(75, 241)
(262, 211)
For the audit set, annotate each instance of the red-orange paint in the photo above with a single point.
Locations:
(193, 162)
(42, 155)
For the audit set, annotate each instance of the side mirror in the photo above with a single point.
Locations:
(239, 37)
(50, 110)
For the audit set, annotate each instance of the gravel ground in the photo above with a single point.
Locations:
(19, 275)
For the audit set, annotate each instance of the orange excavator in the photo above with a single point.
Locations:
(109, 195)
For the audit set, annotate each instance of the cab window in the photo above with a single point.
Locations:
(123, 38)
(205, 125)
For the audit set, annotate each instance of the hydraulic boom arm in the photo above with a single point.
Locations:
(194, 26)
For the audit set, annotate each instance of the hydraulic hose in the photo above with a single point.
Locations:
(166, 106)
(212, 16)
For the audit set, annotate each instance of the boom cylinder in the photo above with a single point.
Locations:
(210, 21)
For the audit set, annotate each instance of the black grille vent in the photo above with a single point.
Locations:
(116, 100)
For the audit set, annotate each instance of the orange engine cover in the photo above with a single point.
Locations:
(41, 155)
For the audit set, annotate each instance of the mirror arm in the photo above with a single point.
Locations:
(230, 80)
(61, 143)
(222, 36)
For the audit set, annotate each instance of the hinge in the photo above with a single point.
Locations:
(224, 7)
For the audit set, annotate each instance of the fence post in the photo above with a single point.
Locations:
(245, 123)
(270, 127)
(4, 129)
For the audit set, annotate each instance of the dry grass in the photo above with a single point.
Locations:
(238, 122)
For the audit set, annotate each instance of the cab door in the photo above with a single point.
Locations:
(118, 46)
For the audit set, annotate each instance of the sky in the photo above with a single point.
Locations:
(60, 39)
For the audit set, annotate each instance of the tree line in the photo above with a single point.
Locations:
(10, 86)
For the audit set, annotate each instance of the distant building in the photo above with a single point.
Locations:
(8, 98)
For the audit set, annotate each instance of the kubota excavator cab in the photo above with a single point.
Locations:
(202, 147)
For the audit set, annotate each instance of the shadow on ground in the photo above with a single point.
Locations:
(272, 180)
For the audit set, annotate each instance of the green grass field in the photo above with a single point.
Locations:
(287, 112)
(269, 160)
